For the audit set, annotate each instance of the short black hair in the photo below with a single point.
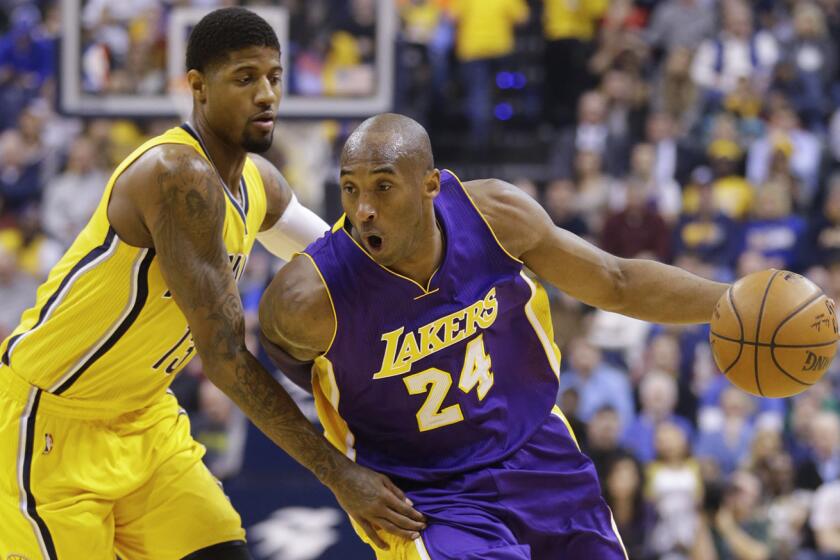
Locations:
(225, 30)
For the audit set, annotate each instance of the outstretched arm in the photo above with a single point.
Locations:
(184, 213)
(643, 289)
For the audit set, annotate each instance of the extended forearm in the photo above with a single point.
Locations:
(274, 412)
(660, 293)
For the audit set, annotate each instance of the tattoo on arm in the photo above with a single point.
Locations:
(187, 231)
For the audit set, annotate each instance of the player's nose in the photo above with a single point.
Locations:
(265, 95)
(365, 210)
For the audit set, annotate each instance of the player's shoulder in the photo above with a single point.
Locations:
(278, 193)
(516, 219)
(488, 191)
(169, 166)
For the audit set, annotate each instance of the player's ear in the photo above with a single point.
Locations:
(431, 183)
(198, 85)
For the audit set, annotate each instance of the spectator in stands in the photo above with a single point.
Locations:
(27, 62)
(675, 93)
(17, 291)
(658, 398)
(805, 153)
(20, 177)
(663, 195)
(598, 383)
(834, 137)
(623, 491)
(603, 433)
(638, 231)
(732, 194)
(561, 204)
(707, 232)
(725, 440)
(679, 23)
(484, 37)
(824, 442)
(568, 401)
(220, 428)
(674, 488)
(766, 445)
(774, 230)
(788, 507)
(593, 188)
(825, 522)
(71, 198)
(626, 95)
(824, 235)
(673, 158)
(741, 529)
(569, 29)
(811, 59)
(592, 133)
(736, 52)
(35, 252)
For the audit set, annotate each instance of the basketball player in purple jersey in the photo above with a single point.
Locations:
(431, 351)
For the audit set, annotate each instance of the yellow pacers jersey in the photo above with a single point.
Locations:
(104, 327)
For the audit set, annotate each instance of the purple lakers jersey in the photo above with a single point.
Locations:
(421, 382)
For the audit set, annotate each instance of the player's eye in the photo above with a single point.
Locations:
(349, 189)
(244, 80)
(274, 80)
(385, 186)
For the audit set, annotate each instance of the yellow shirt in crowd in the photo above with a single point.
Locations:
(485, 27)
(572, 19)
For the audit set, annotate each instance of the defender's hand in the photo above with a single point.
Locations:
(374, 502)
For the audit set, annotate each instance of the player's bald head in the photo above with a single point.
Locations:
(390, 138)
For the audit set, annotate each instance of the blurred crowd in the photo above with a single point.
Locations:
(331, 45)
(703, 133)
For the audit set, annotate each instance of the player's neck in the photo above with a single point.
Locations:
(228, 159)
(423, 263)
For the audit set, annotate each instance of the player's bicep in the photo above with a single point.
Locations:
(563, 259)
(185, 217)
(577, 267)
(295, 311)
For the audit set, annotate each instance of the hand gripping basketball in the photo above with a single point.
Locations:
(774, 333)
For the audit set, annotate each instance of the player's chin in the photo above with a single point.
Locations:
(258, 142)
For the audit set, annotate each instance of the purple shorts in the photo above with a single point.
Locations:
(543, 502)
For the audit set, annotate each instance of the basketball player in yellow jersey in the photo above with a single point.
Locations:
(96, 459)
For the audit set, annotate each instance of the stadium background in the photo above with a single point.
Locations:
(703, 133)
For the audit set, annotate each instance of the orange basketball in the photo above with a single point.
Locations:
(774, 333)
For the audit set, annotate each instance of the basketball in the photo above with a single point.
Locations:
(774, 333)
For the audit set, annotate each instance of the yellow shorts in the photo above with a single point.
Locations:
(399, 548)
(76, 483)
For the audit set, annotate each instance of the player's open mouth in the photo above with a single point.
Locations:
(374, 242)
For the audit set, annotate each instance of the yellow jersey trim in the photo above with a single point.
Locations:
(545, 339)
(329, 295)
(555, 410)
(336, 429)
(426, 291)
(493, 233)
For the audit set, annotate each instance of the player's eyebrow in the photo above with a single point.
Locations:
(251, 66)
(387, 168)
